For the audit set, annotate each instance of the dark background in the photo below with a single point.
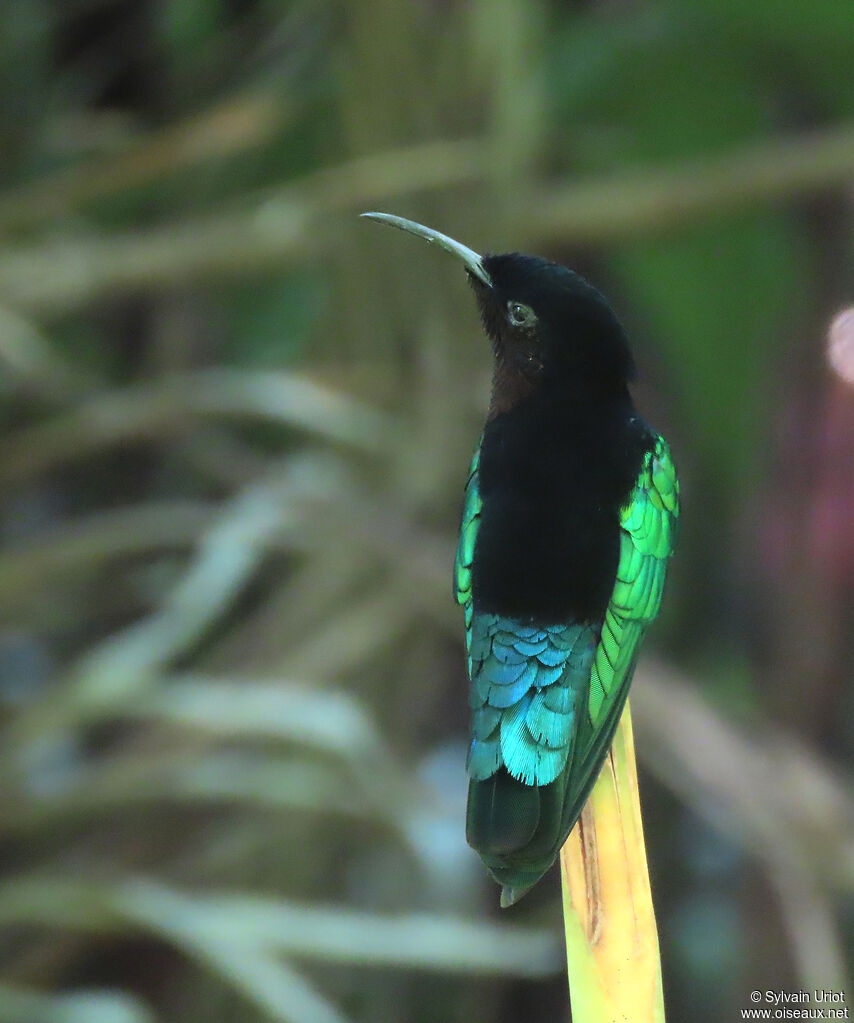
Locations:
(236, 426)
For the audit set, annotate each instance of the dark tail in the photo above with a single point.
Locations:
(516, 828)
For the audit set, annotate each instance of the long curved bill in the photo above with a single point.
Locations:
(469, 258)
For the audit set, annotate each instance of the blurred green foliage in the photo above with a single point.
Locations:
(236, 425)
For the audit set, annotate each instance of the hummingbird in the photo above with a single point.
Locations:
(569, 520)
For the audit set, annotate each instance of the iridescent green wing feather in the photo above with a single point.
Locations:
(465, 548)
(648, 523)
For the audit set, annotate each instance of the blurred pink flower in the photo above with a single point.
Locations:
(840, 345)
(808, 525)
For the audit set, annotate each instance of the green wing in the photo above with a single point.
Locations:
(649, 526)
(465, 548)
(647, 538)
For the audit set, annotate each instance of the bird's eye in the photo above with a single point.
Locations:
(520, 315)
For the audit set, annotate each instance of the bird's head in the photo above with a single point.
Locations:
(549, 328)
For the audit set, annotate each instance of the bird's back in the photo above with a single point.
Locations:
(544, 543)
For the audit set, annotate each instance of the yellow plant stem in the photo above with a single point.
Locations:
(611, 938)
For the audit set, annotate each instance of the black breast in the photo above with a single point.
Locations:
(553, 477)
